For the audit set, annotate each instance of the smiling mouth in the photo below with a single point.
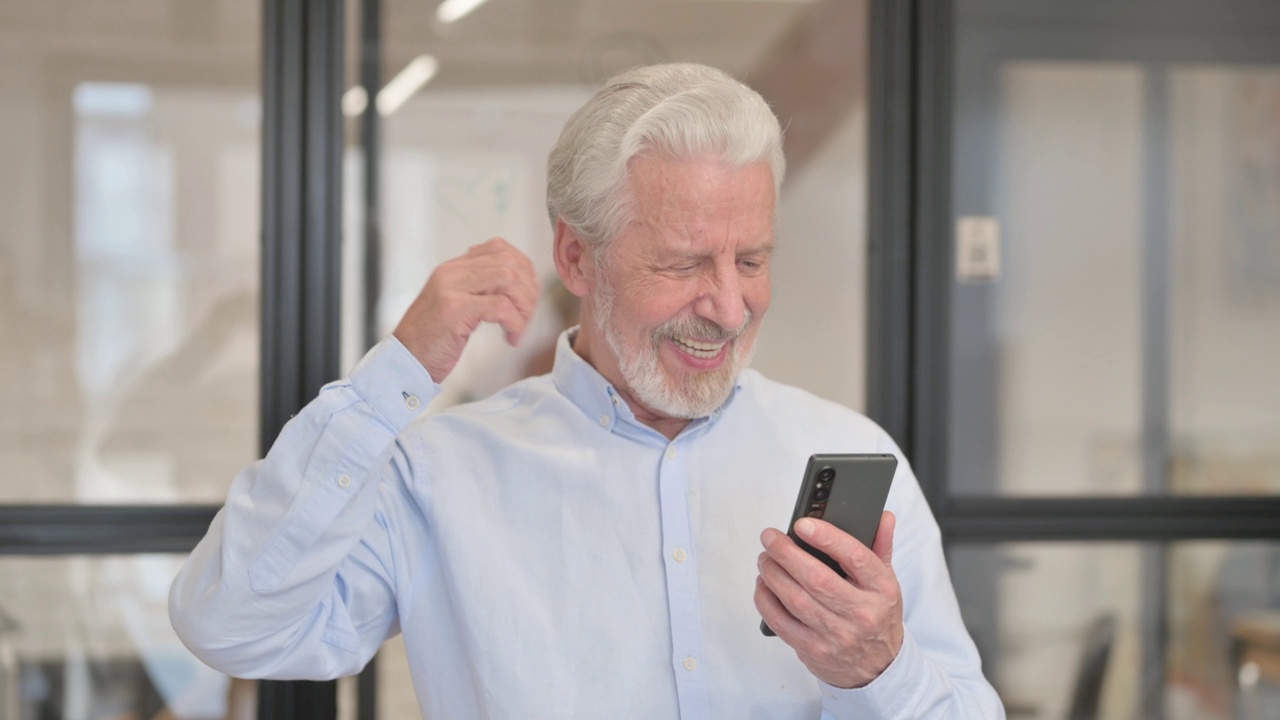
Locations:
(699, 348)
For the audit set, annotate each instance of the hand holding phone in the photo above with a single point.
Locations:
(848, 491)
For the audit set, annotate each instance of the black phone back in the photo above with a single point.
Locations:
(848, 491)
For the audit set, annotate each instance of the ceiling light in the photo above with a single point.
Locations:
(451, 10)
(354, 101)
(407, 82)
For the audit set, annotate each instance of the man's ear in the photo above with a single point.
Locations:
(573, 260)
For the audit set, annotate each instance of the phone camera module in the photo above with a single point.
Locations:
(822, 493)
(826, 474)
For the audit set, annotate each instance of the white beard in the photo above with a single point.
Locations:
(692, 396)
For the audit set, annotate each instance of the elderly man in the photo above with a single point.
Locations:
(584, 544)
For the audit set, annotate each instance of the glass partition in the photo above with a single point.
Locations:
(463, 159)
(129, 250)
(89, 637)
(1115, 307)
(1072, 630)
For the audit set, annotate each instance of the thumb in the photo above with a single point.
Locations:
(883, 544)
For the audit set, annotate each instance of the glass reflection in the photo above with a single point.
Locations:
(1125, 348)
(129, 234)
(1081, 629)
(89, 637)
(463, 159)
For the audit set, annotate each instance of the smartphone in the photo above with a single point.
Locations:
(848, 491)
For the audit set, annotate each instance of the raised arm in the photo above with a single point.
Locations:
(295, 578)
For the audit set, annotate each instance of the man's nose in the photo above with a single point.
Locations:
(721, 300)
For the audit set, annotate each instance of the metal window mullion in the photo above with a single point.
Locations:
(889, 216)
(371, 147)
(302, 162)
(932, 251)
(102, 530)
(1123, 519)
(1156, 308)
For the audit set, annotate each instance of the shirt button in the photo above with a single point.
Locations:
(412, 402)
(671, 452)
(604, 421)
(616, 401)
(680, 555)
(690, 664)
(344, 481)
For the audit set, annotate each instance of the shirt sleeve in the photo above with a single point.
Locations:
(295, 577)
(937, 674)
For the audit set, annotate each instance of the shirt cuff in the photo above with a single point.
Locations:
(394, 383)
(892, 695)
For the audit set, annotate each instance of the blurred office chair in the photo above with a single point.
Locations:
(1093, 668)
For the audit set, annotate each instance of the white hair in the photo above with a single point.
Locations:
(680, 111)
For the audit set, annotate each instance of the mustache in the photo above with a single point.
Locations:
(700, 328)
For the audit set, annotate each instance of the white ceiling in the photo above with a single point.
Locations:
(503, 42)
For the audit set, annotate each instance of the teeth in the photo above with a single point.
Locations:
(699, 349)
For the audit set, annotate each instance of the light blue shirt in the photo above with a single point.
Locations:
(548, 556)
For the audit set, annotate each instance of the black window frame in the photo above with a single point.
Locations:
(909, 306)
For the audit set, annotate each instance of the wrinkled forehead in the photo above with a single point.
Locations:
(679, 201)
(698, 179)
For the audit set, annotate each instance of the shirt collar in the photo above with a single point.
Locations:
(597, 398)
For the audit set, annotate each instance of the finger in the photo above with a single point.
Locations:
(513, 261)
(802, 567)
(883, 544)
(778, 618)
(499, 248)
(498, 280)
(501, 310)
(857, 560)
(508, 253)
(492, 246)
(815, 600)
(786, 589)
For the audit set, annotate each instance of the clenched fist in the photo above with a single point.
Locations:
(493, 282)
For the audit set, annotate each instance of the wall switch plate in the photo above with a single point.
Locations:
(977, 249)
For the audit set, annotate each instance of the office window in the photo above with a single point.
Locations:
(129, 245)
(1134, 185)
(463, 159)
(89, 637)
(1073, 629)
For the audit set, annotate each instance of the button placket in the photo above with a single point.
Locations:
(682, 587)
